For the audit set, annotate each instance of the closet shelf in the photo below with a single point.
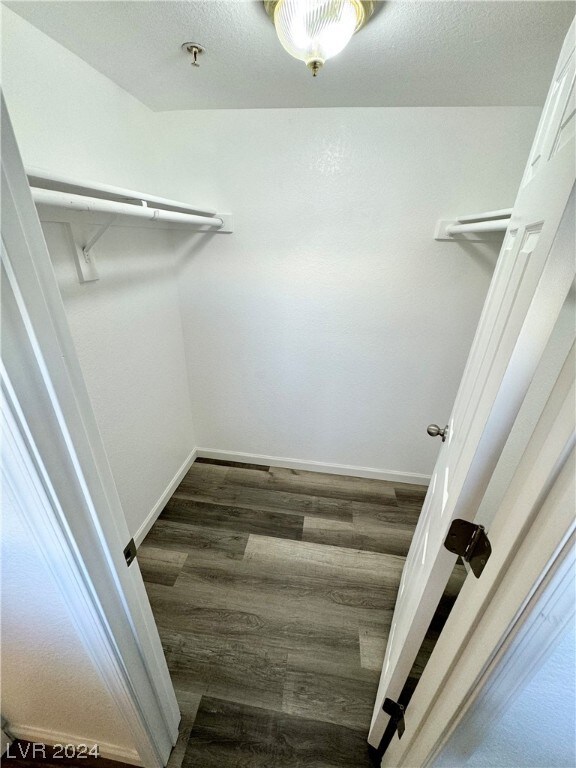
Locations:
(473, 227)
(38, 177)
(74, 195)
(61, 198)
(75, 202)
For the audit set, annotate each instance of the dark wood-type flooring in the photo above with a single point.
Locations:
(273, 591)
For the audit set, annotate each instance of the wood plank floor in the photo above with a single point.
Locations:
(273, 591)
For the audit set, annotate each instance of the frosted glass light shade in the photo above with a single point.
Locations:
(316, 30)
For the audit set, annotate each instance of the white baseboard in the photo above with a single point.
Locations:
(151, 518)
(315, 466)
(43, 736)
(271, 461)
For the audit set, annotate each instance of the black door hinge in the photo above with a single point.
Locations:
(471, 543)
(130, 552)
(396, 712)
(395, 725)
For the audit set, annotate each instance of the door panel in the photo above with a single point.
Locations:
(530, 284)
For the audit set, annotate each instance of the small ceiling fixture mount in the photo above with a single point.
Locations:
(316, 30)
(195, 50)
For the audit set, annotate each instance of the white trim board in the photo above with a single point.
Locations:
(43, 736)
(154, 513)
(59, 462)
(315, 466)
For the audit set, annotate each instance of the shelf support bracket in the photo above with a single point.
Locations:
(83, 257)
(93, 240)
(83, 260)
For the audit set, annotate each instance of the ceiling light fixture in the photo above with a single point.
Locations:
(316, 30)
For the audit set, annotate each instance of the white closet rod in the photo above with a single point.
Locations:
(99, 205)
(474, 224)
(49, 180)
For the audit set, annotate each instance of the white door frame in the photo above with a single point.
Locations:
(51, 424)
(503, 624)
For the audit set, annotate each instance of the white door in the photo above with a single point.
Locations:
(527, 292)
(505, 624)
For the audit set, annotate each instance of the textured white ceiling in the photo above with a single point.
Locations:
(411, 53)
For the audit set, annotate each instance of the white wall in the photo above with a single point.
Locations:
(537, 729)
(330, 326)
(127, 328)
(128, 333)
(51, 689)
(70, 118)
